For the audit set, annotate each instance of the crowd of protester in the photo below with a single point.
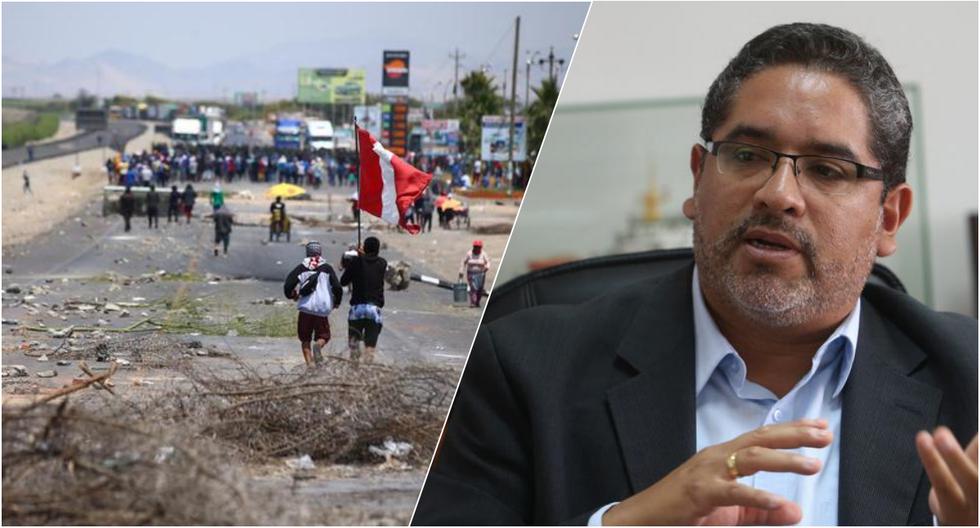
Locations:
(164, 164)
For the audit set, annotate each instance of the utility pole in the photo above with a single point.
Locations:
(513, 96)
(527, 86)
(456, 56)
(551, 63)
(527, 79)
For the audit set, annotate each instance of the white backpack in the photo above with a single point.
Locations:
(320, 301)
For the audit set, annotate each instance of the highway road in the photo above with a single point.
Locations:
(117, 135)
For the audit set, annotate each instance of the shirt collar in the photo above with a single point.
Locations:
(711, 349)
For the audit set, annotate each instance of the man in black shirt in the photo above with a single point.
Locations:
(365, 272)
(277, 224)
(153, 208)
(127, 205)
(173, 206)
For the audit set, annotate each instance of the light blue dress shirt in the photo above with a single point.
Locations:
(728, 404)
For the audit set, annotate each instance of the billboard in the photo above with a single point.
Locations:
(441, 137)
(495, 136)
(369, 118)
(331, 86)
(394, 73)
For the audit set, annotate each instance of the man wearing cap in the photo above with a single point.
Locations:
(316, 290)
(475, 266)
(765, 383)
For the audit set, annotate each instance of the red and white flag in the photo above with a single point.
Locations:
(389, 185)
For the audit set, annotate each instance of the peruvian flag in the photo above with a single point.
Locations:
(389, 185)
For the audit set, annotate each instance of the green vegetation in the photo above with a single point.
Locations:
(480, 98)
(539, 114)
(40, 126)
(210, 317)
(38, 105)
(279, 322)
(184, 276)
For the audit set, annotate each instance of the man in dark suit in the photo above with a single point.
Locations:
(765, 384)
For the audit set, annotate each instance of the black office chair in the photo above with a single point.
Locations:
(582, 280)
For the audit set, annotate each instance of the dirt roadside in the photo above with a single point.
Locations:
(54, 195)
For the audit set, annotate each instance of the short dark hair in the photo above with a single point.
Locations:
(372, 245)
(837, 51)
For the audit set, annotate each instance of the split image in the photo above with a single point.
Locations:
(244, 259)
(607, 263)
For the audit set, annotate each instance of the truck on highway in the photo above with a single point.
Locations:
(319, 135)
(289, 134)
(188, 130)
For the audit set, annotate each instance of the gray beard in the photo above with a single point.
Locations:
(770, 300)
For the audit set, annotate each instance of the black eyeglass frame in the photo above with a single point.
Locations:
(864, 171)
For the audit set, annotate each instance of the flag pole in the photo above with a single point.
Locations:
(357, 209)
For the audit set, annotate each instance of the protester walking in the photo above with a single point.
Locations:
(424, 208)
(316, 290)
(365, 273)
(189, 196)
(222, 229)
(27, 183)
(153, 208)
(217, 197)
(127, 205)
(278, 220)
(173, 206)
(476, 263)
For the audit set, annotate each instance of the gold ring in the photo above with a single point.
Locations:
(732, 464)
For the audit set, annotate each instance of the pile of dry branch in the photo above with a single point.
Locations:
(333, 413)
(65, 465)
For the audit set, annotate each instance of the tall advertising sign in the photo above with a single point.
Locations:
(394, 74)
(395, 128)
(331, 86)
(496, 134)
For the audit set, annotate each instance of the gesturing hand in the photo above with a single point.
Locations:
(953, 474)
(704, 489)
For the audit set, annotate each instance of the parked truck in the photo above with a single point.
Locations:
(289, 134)
(319, 135)
(188, 130)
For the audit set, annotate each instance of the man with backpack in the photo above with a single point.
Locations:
(316, 290)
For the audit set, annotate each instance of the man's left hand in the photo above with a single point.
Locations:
(953, 474)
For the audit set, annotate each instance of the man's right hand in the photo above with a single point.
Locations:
(703, 492)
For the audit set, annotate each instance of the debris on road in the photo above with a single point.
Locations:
(15, 371)
(391, 449)
(333, 413)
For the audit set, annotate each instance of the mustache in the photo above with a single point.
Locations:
(734, 237)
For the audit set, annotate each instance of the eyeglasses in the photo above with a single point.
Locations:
(833, 176)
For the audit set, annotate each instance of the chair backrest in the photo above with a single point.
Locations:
(579, 281)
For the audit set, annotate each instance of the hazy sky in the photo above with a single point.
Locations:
(194, 35)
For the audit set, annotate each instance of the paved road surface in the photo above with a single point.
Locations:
(118, 134)
(421, 323)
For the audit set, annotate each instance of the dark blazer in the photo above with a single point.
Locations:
(564, 409)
